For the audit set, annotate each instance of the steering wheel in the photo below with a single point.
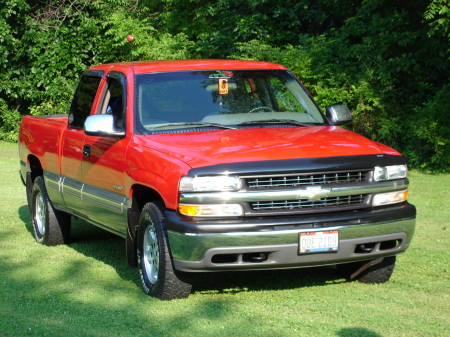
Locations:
(262, 107)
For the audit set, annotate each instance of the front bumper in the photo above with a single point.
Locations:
(272, 243)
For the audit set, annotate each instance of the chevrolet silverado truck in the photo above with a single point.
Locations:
(215, 166)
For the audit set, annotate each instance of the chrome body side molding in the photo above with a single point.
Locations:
(95, 204)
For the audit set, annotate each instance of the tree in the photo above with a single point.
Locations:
(387, 60)
(48, 43)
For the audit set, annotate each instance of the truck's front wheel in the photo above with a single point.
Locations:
(158, 277)
(51, 227)
(371, 271)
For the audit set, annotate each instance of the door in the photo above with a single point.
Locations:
(70, 180)
(102, 167)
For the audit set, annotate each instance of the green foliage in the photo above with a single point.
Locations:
(431, 147)
(148, 44)
(384, 65)
(216, 26)
(9, 122)
(438, 16)
(47, 52)
(48, 45)
(387, 60)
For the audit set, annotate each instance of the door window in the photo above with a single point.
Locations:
(83, 99)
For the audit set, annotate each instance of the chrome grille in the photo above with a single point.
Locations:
(303, 204)
(287, 181)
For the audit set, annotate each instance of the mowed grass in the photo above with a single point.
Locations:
(87, 289)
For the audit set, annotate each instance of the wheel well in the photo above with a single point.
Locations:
(34, 167)
(141, 196)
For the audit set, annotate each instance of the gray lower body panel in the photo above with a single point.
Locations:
(99, 206)
(199, 252)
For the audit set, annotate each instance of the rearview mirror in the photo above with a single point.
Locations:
(338, 114)
(102, 126)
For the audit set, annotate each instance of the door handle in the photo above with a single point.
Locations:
(87, 151)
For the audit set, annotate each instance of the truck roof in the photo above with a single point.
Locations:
(140, 67)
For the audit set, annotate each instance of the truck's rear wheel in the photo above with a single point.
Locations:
(371, 271)
(158, 277)
(51, 227)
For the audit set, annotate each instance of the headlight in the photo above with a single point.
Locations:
(381, 173)
(389, 198)
(211, 210)
(210, 184)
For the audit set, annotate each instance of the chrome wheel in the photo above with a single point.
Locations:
(39, 214)
(51, 226)
(158, 277)
(151, 254)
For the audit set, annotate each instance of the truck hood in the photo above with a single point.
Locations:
(206, 148)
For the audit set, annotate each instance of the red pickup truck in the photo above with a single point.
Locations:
(215, 165)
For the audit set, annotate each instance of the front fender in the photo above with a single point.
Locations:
(156, 170)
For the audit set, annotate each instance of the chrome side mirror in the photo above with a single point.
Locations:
(102, 126)
(338, 114)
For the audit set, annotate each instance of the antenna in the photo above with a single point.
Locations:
(130, 38)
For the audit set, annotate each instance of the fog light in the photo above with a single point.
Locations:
(389, 198)
(211, 210)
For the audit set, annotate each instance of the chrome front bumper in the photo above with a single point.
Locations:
(264, 244)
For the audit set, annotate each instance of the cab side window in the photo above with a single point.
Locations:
(114, 98)
(84, 98)
(113, 103)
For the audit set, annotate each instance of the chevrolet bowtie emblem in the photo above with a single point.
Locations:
(314, 193)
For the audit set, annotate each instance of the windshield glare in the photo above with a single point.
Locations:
(225, 97)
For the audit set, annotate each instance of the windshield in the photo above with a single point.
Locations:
(221, 98)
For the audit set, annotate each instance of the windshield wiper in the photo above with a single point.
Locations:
(277, 121)
(195, 123)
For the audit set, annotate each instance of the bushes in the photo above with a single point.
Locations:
(386, 68)
(429, 148)
(45, 48)
(388, 61)
(9, 122)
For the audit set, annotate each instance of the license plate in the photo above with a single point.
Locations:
(319, 242)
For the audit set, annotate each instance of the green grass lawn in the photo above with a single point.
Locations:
(87, 289)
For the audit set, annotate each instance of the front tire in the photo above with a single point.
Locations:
(51, 227)
(372, 271)
(158, 277)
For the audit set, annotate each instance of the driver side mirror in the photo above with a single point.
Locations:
(102, 126)
(338, 114)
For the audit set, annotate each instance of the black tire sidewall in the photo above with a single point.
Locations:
(29, 191)
(150, 216)
(371, 271)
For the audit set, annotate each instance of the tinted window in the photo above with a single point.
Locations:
(113, 102)
(83, 100)
(226, 97)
